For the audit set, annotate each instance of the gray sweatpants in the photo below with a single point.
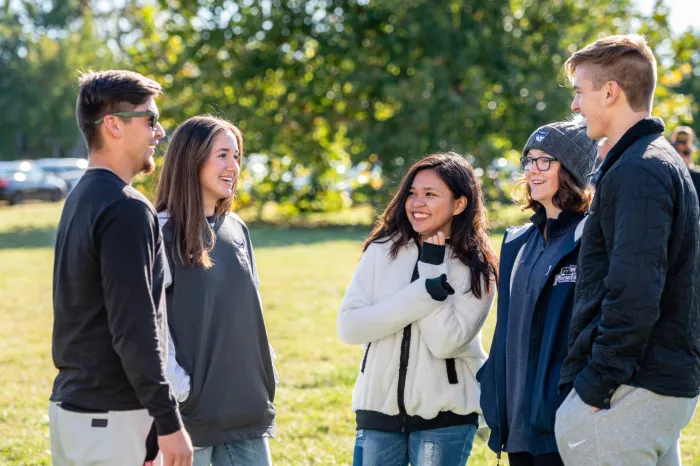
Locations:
(641, 428)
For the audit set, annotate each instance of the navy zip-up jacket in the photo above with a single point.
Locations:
(636, 319)
(548, 333)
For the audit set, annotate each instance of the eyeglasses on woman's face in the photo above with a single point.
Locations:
(542, 163)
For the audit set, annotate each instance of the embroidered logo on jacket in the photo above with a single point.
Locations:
(567, 275)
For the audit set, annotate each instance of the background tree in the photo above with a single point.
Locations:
(336, 97)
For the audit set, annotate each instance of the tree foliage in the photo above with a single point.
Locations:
(325, 88)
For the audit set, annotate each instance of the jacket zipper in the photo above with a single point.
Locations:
(403, 368)
(501, 445)
(364, 360)
(403, 362)
(450, 365)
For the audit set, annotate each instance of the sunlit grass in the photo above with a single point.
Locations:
(303, 276)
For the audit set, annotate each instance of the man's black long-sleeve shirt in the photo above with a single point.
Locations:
(109, 335)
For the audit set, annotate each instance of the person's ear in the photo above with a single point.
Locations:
(113, 126)
(613, 93)
(460, 205)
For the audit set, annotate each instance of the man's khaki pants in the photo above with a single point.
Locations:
(96, 439)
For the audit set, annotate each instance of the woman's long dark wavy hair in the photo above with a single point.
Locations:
(469, 239)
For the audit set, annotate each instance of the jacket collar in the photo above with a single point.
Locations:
(569, 228)
(555, 226)
(645, 127)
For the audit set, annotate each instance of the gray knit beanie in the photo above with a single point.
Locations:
(567, 142)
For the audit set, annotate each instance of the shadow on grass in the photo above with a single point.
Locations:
(262, 236)
(270, 237)
(343, 376)
(28, 238)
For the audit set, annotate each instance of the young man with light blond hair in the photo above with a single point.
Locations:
(633, 368)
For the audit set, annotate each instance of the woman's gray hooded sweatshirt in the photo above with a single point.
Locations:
(216, 324)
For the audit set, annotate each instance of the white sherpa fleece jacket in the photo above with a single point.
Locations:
(381, 300)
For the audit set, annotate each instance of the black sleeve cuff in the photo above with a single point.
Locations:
(169, 423)
(591, 392)
(438, 288)
(432, 253)
(565, 388)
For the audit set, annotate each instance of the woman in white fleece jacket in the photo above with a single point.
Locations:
(417, 302)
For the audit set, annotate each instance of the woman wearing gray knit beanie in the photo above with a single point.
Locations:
(519, 382)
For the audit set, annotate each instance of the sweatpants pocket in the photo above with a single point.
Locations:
(621, 392)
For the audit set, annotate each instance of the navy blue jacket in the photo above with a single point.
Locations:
(636, 319)
(549, 338)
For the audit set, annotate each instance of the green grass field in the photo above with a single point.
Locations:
(303, 275)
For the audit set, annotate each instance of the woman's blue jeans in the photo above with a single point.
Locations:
(448, 446)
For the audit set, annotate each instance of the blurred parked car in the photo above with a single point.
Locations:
(69, 169)
(21, 181)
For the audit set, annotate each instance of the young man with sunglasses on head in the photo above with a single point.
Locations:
(111, 402)
(683, 140)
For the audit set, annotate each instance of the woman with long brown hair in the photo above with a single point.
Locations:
(220, 363)
(538, 272)
(417, 302)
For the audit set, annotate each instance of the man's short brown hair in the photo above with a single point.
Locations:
(625, 59)
(105, 92)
